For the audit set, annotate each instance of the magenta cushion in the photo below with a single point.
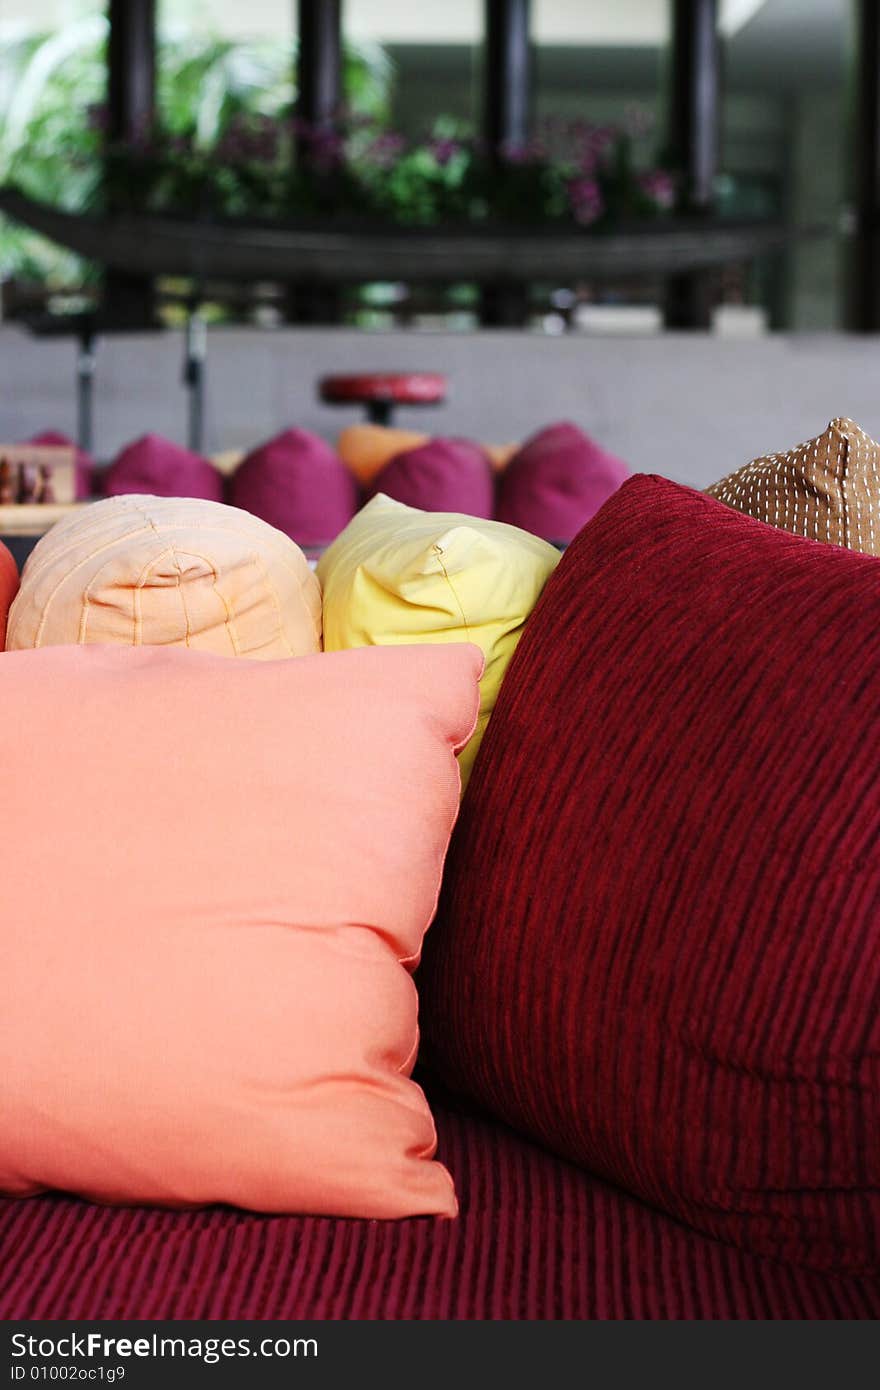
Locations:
(158, 467)
(444, 475)
(556, 482)
(85, 464)
(296, 482)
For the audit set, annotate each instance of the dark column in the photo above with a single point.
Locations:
(693, 107)
(319, 69)
(507, 84)
(131, 89)
(507, 74)
(319, 84)
(864, 289)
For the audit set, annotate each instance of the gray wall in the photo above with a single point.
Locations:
(690, 407)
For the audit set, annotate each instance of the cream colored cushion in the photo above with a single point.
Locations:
(168, 571)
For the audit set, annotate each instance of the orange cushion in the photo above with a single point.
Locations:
(500, 454)
(8, 588)
(215, 887)
(366, 449)
(168, 571)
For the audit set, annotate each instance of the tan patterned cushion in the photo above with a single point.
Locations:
(827, 489)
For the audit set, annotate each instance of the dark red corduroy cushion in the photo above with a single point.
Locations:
(536, 1238)
(658, 948)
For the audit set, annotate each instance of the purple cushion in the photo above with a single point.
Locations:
(157, 466)
(85, 464)
(556, 482)
(444, 475)
(296, 483)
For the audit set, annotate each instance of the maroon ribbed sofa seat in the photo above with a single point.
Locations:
(536, 1238)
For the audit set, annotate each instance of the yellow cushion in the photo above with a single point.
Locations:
(227, 461)
(398, 575)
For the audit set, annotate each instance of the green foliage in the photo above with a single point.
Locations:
(47, 84)
(52, 87)
(223, 147)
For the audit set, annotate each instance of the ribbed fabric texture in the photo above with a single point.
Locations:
(658, 947)
(537, 1238)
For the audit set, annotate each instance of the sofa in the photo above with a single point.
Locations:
(648, 1023)
(536, 1238)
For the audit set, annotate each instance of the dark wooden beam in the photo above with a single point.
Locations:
(863, 309)
(131, 103)
(693, 104)
(319, 98)
(507, 92)
(507, 74)
(319, 63)
(131, 68)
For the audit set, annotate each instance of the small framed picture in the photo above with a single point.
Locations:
(37, 474)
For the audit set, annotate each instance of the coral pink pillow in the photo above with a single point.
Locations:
(444, 475)
(158, 467)
(297, 483)
(85, 464)
(215, 887)
(556, 482)
(8, 588)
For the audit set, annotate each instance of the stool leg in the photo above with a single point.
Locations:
(85, 381)
(194, 379)
(380, 412)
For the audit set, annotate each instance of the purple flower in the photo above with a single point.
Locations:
(444, 149)
(385, 150)
(588, 160)
(600, 139)
(325, 146)
(515, 152)
(523, 152)
(591, 144)
(659, 186)
(249, 139)
(585, 199)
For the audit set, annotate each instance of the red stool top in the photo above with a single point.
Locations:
(401, 388)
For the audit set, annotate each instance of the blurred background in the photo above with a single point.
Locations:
(657, 217)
